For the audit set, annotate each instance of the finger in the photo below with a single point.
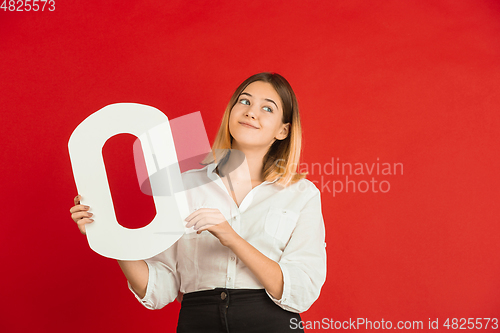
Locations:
(78, 208)
(80, 215)
(202, 220)
(194, 214)
(81, 223)
(194, 220)
(77, 199)
(212, 216)
(205, 227)
(205, 224)
(200, 211)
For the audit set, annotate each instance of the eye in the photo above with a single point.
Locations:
(267, 109)
(245, 101)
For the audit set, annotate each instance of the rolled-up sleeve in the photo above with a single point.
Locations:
(303, 263)
(163, 281)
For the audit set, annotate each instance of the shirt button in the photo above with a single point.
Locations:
(284, 211)
(233, 258)
(223, 296)
(229, 278)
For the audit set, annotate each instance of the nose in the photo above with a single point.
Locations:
(250, 113)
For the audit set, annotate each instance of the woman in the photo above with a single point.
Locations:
(263, 259)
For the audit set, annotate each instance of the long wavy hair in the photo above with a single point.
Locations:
(282, 158)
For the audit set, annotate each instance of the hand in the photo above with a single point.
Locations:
(225, 233)
(213, 221)
(80, 214)
(204, 218)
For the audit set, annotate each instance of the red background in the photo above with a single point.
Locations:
(411, 82)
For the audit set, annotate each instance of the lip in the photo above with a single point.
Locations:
(248, 125)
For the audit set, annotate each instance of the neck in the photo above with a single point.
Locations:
(253, 162)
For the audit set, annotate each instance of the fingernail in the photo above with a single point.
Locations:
(86, 207)
(92, 220)
(90, 214)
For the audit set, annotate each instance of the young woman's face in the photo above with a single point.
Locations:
(255, 119)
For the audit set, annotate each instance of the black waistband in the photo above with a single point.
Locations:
(223, 295)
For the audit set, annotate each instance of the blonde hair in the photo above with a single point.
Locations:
(282, 158)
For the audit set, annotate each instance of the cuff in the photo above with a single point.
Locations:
(285, 301)
(146, 300)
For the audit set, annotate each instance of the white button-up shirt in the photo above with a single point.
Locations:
(283, 223)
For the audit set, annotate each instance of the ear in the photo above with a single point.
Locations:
(283, 133)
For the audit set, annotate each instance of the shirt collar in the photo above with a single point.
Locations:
(214, 176)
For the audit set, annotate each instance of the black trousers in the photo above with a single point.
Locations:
(224, 310)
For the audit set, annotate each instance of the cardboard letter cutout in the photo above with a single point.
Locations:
(105, 235)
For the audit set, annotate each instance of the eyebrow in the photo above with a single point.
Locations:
(267, 99)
